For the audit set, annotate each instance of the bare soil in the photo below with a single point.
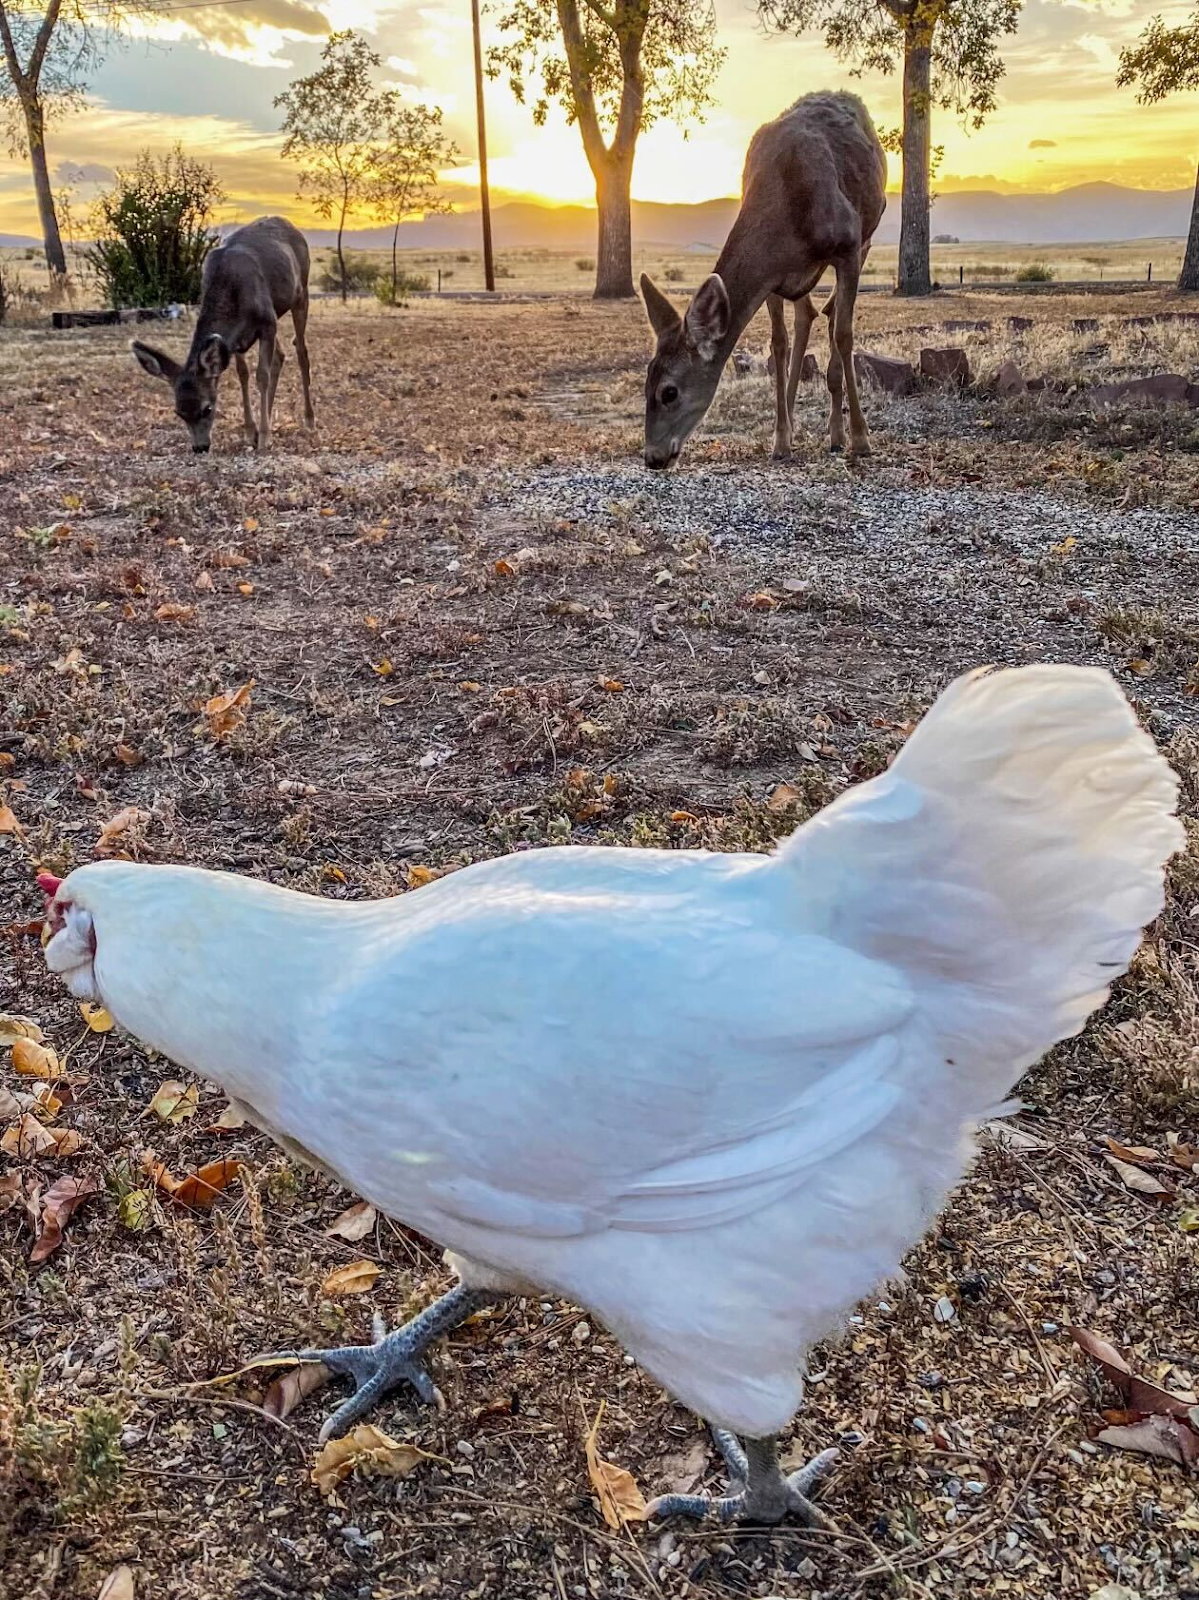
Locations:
(473, 623)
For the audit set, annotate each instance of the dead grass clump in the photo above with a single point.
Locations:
(1152, 642)
(747, 733)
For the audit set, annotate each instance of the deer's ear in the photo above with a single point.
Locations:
(708, 316)
(156, 362)
(662, 315)
(213, 356)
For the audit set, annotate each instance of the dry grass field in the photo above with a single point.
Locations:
(472, 622)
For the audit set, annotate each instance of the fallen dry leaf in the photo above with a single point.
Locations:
(98, 1020)
(66, 1142)
(612, 685)
(13, 1028)
(58, 1202)
(8, 820)
(1138, 1179)
(1136, 1153)
(26, 1138)
(418, 876)
(199, 1189)
(368, 1451)
(33, 1060)
(136, 1210)
(620, 1500)
(1166, 1437)
(10, 1106)
(355, 1222)
(230, 1119)
(10, 1190)
(118, 1585)
(355, 1277)
(227, 711)
(174, 1102)
(285, 1393)
(1141, 1395)
(174, 611)
(115, 827)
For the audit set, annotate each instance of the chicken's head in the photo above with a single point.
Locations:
(71, 945)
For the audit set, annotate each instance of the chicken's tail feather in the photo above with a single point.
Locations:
(1008, 861)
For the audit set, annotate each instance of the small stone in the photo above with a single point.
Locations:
(465, 1448)
(1009, 381)
(582, 1332)
(944, 1310)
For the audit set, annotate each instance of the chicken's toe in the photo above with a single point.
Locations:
(763, 1494)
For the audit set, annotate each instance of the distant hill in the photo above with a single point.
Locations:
(18, 241)
(1091, 212)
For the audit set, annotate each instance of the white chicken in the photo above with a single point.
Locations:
(712, 1099)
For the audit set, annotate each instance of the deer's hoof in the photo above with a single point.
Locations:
(781, 452)
(835, 447)
(859, 449)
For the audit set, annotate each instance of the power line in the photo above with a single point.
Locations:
(151, 10)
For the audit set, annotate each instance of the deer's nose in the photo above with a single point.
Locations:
(200, 449)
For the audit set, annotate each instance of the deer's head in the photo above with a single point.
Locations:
(685, 368)
(194, 384)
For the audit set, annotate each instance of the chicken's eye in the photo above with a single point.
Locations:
(669, 394)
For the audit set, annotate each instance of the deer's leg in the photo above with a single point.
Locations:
(805, 316)
(278, 368)
(836, 422)
(299, 317)
(778, 349)
(243, 377)
(266, 371)
(848, 273)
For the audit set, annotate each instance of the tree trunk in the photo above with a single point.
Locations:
(395, 275)
(341, 260)
(1188, 278)
(35, 126)
(614, 259)
(914, 275)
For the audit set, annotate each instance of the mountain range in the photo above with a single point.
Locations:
(1089, 213)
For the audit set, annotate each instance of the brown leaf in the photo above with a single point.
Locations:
(355, 1277)
(368, 1451)
(174, 611)
(66, 1142)
(115, 827)
(10, 1190)
(355, 1222)
(1166, 1437)
(26, 1138)
(10, 1106)
(174, 1102)
(504, 569)
(612, 685)
(762, 601)
(227, 711)
(8, 821)
(1142, 1396)
(1136, 1178)
(1136, 1153)
(620, 1500)
(1185, 1156)
(118, 1585)
(13, 1028)
(782, 797)
(34, 1060)
(200, 1188)
(228, 558)
(58, 1202)
(418, 876)
(285, 1393)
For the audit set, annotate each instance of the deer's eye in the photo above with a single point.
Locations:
(206, 411)
(669, 394)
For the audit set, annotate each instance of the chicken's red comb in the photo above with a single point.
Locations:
(48, 884)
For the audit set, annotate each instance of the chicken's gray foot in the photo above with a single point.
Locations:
(760, 1491)
(393, 1358)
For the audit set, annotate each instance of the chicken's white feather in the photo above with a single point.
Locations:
(713, 1099)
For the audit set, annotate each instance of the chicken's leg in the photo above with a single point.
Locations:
(394, 1358)
(760, 1491)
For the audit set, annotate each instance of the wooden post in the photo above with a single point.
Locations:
(1149, 279)
(484, 193)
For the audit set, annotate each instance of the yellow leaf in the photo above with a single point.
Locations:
(368, 1451)
(782, 797)
(13, 1028)
(231, 1118)
(136, 1210)
(504, 569)
(118, 1585)
(1188, 1220)
(355, 1277)
(620, 1500)
(612, 685)
(355, 1222)
(175, 1102)
(245, 588)
(418, 876)
(33, 1060)
(97, 1019)
(251, 524)
(26, 1138)
(469, 686)
(1140, 666)
(384, 668)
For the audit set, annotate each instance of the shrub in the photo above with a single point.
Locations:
(501, 271)
(463, 255)
(362, 274)
(673, 274)
(406, 283)
(1035, 272)
(152, 230)
(585, 263)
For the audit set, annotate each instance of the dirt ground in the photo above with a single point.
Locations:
(472, 623)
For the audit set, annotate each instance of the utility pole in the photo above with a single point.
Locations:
(484, 193)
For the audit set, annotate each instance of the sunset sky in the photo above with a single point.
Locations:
(207, 77)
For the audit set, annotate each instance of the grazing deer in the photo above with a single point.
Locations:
(258, 275)
(813, 193)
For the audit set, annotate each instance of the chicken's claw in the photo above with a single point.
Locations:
(761, 1493)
